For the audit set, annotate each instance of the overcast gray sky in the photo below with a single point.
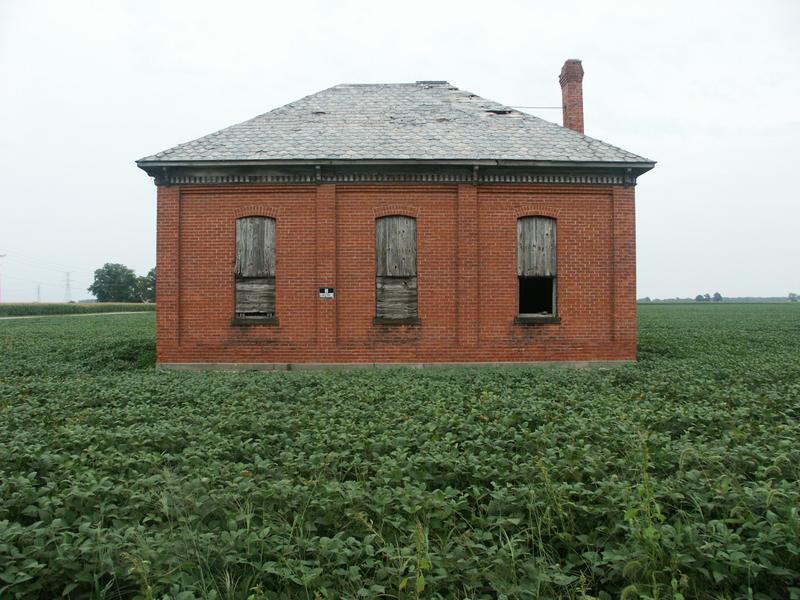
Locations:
(710, 90)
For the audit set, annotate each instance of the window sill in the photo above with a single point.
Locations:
(536, 319)
(255, 321)
(390, 321)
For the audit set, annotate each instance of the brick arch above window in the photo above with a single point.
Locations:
(532, 210)
(257, 210)
(395, 210)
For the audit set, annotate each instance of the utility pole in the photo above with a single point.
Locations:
(67, 291)
(1, 282)
(39, 293)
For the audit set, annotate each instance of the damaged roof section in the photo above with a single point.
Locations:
(423, 121)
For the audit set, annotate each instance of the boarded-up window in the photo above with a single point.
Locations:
(536, 265)
(255, 268)
(396, 260)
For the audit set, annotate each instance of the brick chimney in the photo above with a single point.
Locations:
(571, 80)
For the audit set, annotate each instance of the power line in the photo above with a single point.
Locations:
(40, 267)
(44, 264)
(40, 282)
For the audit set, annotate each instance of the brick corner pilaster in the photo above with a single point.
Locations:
(326, 263)
(468, 313)
(168, 270)
(624, 268)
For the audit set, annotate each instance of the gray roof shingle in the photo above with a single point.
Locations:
(404, 121)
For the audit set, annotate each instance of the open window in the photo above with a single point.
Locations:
(255, 269)
(536, 269)
(396, 266)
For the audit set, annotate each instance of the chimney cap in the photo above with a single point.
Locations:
(571, 71)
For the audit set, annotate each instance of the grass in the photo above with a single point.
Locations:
(9, 309)
(676, 477)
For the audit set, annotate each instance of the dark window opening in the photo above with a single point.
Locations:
(536, 295)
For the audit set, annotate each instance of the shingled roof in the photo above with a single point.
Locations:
(423, 121)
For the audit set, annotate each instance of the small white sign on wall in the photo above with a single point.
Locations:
(327, 293)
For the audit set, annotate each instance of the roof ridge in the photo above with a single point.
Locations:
(391, 84)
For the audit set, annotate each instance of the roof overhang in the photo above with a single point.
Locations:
(207, 172)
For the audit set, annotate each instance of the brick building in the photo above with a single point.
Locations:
(397, 223)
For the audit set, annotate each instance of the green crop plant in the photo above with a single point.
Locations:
(677, 477)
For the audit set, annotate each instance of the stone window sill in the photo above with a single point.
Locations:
(536, 319)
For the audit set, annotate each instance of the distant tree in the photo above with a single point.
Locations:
(793, 297)
(146, 286)
(706, 298)
(699, 298)
(645, 299)
(717, 297)
(114, 283)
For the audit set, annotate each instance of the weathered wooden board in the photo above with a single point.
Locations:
(396, 246)
(255, 296)
(536, 247)
(396, 297)
(255, 247)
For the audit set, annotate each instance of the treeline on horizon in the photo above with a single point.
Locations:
(718, 298)
(114, 282)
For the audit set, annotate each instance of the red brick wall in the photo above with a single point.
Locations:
(466, 249)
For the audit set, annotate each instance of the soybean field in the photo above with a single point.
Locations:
(676, 477)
